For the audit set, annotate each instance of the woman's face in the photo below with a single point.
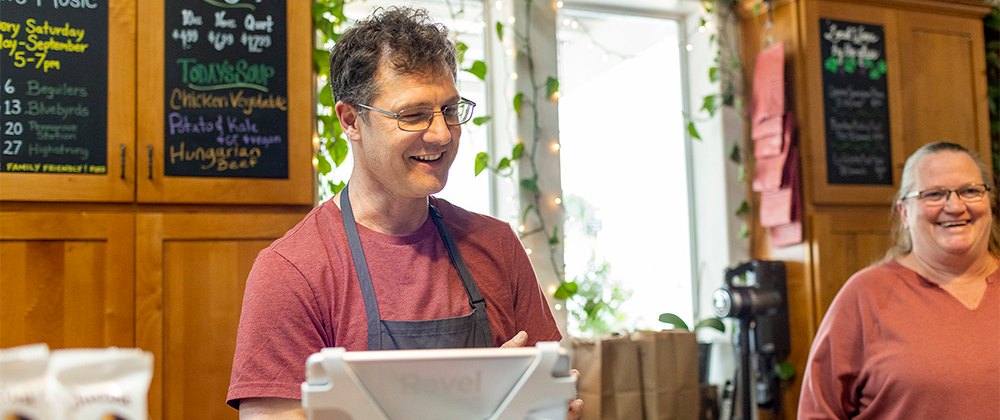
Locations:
(956, 228)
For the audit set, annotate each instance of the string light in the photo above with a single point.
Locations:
(558, 200)
(322, 77)
(701, 28)
(552, 289)
(510, 53)
(556, 147)
(559, 4)
(689, 47)
(513, 76)
(315, 162)
(556, 95)
(520, 228)
(499, 5)
(316, 140)
(558, 307)
(527, 251)
(511, 20)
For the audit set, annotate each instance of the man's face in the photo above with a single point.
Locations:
(408, 164)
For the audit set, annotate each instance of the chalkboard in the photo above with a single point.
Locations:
(855, 102)
(226, 93)
(54, 100)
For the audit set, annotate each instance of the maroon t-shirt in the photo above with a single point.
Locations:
(303, 295)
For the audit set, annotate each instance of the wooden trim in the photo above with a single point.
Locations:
(962, 8)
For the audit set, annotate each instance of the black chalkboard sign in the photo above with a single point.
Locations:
(226, 92)
(855, 102)
(54, 72)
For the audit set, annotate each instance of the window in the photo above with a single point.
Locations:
(624, 162)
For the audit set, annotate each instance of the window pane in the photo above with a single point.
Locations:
(623, 162)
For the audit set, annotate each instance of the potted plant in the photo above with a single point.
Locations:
(704, 349)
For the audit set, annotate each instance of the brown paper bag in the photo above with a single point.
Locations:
(669, 362)
(610, 382)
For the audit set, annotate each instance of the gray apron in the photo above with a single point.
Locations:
(472, 330)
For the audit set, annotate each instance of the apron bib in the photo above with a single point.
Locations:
(472, 330)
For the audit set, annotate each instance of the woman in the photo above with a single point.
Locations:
(917, 336)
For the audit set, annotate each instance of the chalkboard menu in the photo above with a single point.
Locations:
(226, 92)
(54, 71)
(856, 104)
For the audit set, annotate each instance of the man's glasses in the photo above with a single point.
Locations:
(938, 196)
(419, 119)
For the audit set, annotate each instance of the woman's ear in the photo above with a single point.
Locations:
(349, 120)
(902, 213)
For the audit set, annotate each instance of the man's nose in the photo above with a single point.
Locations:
(439, 131)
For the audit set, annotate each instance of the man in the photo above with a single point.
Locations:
(383, 263)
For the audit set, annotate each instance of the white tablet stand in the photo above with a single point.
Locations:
(467, 384)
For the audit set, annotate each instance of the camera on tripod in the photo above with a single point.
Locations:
(755, 294)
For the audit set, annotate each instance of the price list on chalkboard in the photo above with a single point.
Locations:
(54, 72)
(855, 103)
(226, 93)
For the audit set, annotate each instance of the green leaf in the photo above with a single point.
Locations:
(744, 231)
(478, 69)
(517, 152)
(481, 120)
(530, 184)
(482, 161)
(566, 290)
(551, 86)
(708, 104)
(325, 98)
(524, 215)
(518, 99)
(554, 239)
(336, 188)
(713, 74)
(460, 49)
(693, 131)
(339, 151)
(734, 153)
(324, 166)
(504, 164)
(500, 31)
(785, 370)
(321, 61)
(741, 173)
(674, 320)
(713, 323)
(744, 208)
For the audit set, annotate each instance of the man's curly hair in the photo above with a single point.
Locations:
(402, 37)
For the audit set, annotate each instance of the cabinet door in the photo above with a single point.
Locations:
(67, 279)
(30, 138)
(845, 241)
(944, 67)
(813, 124)
(222, 99)
(190, 276)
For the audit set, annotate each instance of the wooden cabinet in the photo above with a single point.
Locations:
(67, 279)
(133, 258)
(190, 274)
(936, 91)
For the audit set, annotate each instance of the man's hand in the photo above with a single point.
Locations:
(518, 341)
(575, 409)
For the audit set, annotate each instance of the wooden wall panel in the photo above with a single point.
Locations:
(67, 279)
(190, 278)
(847, 240)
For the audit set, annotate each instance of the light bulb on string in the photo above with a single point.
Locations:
(689, 47)
(558, 307)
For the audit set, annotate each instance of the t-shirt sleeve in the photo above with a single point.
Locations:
(830, 385)
(531, 308)
(280, 326)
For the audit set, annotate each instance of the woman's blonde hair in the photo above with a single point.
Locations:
(903, 244)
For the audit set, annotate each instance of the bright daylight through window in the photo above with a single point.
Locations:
(624, 171)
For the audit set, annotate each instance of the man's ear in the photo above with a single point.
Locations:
(349, 120)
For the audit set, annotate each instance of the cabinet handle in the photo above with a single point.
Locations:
(123, 160)
(149, 147)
